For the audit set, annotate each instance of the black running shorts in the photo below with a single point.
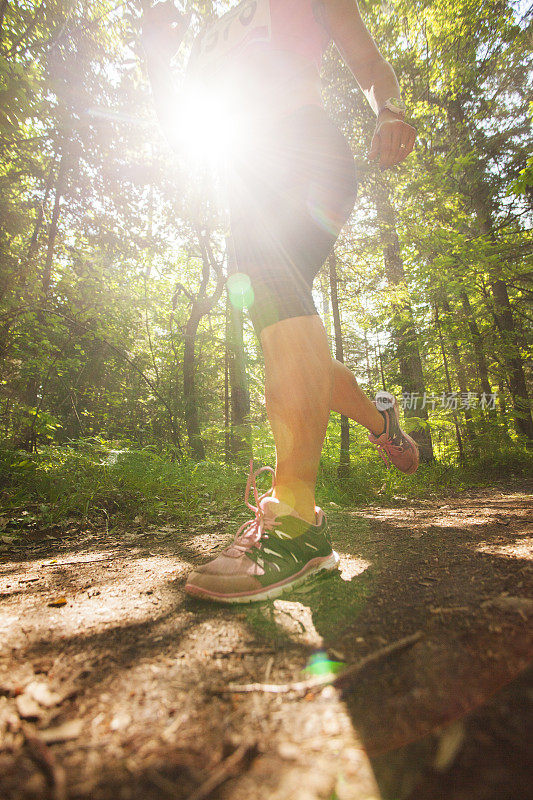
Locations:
(289, 196)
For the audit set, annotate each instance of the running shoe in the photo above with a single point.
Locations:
(395, 446)
(270, 554)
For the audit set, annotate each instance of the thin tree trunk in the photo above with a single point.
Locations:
(517, 381)
(402, 323)
(368, 369)
(240, 395)
(227, 420)
(344, 459)
(380, 361)
(189, 388)
(52, 235)
(26, 261)
(201, 305)
(461, 378)
(326, 311)
(449, 385)
(31, 392)
(477, 342)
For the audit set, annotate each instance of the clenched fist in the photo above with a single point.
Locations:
(392, 141)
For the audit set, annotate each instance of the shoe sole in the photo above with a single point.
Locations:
(331, 563)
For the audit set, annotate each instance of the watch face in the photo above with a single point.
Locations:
(395, 104)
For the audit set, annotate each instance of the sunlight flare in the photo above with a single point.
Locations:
(207, 127)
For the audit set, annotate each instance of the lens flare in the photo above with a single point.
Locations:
(320, 664)
(240, 290)
(323, 216)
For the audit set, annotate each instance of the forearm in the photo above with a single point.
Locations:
(393, 137)
(359, 51)
(378, 82)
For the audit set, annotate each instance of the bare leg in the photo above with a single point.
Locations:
(347, 398)
(298, 385)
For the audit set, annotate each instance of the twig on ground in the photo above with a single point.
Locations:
(45, 758)
(244, 651)
(76, 563)
(322, 680)
(227, 769)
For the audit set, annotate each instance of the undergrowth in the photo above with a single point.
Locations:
(96, 479)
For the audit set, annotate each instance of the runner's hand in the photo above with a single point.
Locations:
(392, 141)
(163, 27)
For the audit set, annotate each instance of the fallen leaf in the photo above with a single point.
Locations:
(57, 602)
(62, 733)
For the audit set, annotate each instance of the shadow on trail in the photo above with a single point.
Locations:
(447, 717)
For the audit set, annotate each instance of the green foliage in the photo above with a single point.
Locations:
(91, 478)
(99, 480)
(94, 309)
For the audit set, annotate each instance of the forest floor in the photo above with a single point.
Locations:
(116, 685)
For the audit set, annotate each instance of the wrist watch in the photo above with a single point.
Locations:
(395, 105)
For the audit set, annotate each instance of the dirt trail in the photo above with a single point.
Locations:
(115, 691)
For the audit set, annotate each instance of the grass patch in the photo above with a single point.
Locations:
(97, 479)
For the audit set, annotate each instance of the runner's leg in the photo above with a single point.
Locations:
(298, 384)
(348, 398)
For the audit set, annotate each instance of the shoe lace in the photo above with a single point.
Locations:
(387, 448)
(253, 530)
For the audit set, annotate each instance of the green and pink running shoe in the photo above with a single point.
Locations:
(395, 446)
(271, 554)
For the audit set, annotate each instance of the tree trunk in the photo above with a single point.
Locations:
(368, 369)
(380, 362)
(31, 392)
(344, 458)
(189, 388)
(52, 235)
(26, 262)
(201, 305)
(461, 377)
(503, 317)
(402, 323)
(477, 189)
(477, 342)
(326, 311)
(227, 420)
(449, 385)
(241, 438)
